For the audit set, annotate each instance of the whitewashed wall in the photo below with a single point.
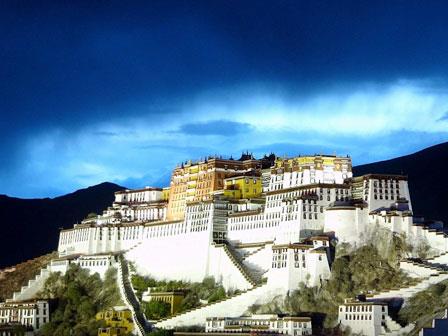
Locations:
(181, 257)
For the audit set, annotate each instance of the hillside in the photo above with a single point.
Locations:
(13, 278)
(427, 182)
(30, 226)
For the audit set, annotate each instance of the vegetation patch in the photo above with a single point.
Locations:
(423, 306)
(197, 293)
(78, 297)
(12, 281)
(156, 310)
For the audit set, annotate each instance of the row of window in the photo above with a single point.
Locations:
(390, 183)
(359, 308)
(199, 208)
(279, 324)
(386, 191)
(150, 214)
(309, 208)
(386, 197)
(253, 225)
(361, 317)
(89, 263)
(200, 215)
(199, 225)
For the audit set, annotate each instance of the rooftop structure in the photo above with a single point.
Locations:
(303, 170)
(196, 181)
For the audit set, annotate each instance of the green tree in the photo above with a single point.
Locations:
(191, 300)
(91, 215)
(422, 249)
(155, 310)
(340, 281)
(79, 296)
(110, 294)
(217, 294)
(161, 332)
(426, 303)
(371, 272)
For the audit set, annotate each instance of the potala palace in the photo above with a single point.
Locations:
(261, 227)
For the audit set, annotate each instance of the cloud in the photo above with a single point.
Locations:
(215, 127)
(444, 117)
(161, 180)
(84, 100)
(366, 110)
(370, 122)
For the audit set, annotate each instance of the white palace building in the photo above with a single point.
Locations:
(282, 235)
(257, 226)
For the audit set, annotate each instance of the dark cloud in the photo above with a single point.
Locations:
(215, 127)
(106, 134)
(70, 65)
(65, 64)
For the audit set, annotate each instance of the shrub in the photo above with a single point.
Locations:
(155, 310)
(217, 294)
(78, 297)
(207, 290)
(423, 305)
(161, 332)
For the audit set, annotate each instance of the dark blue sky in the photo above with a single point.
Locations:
(122, 91)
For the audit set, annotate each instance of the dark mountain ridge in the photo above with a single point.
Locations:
(29, 227)
(427, 182)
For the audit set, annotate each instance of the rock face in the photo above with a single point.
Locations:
(29, 227)
(426, 175)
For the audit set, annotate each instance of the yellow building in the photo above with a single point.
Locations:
(197, 181)
(174, 298)
(243, 187)
(112, 331)
(118, 321)
(166, 194)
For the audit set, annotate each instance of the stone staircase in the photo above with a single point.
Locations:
(233, 306)
(439, 259)
(426, 274)
(438, 326)
(415, 267)
(33, 287)
(392, 328)
(141, 326)
(434, 276)
(251, 276)
(431, 264)
(133, 247)
(251, 253)
(437, 238)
